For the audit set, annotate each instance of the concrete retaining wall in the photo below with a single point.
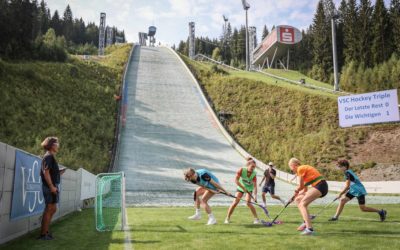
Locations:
(70, 195)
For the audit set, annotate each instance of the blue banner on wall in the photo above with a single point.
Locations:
(27, 199)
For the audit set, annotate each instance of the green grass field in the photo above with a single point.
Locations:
(168, 228)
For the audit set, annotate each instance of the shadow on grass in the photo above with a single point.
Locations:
(159, 229)
(357, 233)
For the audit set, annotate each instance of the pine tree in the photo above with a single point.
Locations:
(35, 14)
(67, 23)
(380, 22)
(350, 50)
(322, 54)
(364, 38)
(339, 34)
(44, 17)
(55, 23)
(265, 32)
(395, 25)
(4, 28)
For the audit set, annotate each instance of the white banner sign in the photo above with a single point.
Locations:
(88, 184)
(374, 107)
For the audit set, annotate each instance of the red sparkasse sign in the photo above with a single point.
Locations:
(286, 34)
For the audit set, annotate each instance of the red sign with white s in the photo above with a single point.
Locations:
(286, 35)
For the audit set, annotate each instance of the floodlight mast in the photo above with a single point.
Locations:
(225, 26)
(334, 17)
(246, 6)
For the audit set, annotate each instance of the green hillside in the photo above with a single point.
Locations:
(72, 100)
(275, 120)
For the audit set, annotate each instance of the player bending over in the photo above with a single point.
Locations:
(353, 188)
(209, 185)
(309, 176)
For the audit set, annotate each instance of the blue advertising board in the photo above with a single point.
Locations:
(27, 199)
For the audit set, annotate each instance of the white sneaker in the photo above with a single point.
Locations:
(227, 221)
(211, 221)
(195, 217)
(256, 221)
(307, 232)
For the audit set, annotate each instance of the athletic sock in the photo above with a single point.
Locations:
(210, 215)
(197, 210)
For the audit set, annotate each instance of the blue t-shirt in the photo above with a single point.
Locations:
(203, 178)
(357, 189)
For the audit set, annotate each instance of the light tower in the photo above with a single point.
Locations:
(224, 42)
(246, 7)
(102, 33)
(110, 36)
(191, 40)
(225, 26)
(252, 43)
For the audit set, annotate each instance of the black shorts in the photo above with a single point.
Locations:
(49, 197)
(361, 199)
(322, 186)
(270, 189)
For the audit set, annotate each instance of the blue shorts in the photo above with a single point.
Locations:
(49, 197)
(270, 189)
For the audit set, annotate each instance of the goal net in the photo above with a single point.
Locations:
(110, 201)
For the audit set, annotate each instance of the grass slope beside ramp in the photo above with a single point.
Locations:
(275, 120)
(72, 100)
(296, 76)
(169, 228)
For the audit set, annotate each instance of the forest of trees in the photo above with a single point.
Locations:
(368, 45)
(29, 31)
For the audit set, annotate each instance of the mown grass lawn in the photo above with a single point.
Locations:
(168, 228)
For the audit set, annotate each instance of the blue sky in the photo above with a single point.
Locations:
(171, 17)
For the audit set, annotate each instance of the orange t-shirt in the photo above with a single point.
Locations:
(308, 174)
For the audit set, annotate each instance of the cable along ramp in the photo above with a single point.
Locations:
(169, 127)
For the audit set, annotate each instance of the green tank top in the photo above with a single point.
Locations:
(247, 182)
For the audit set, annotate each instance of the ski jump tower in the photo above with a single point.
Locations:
(275, 47)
